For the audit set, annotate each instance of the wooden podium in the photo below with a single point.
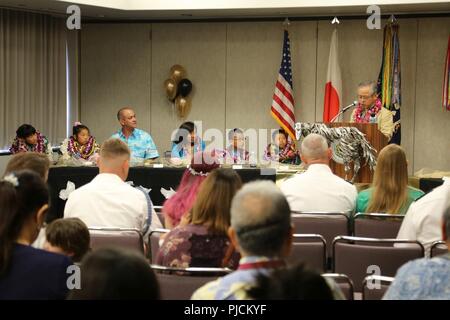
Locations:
(375, 138)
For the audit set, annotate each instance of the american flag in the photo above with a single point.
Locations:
(283, 101)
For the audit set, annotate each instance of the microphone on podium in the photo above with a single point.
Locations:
(353, 104)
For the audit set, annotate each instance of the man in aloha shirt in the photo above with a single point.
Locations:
(424, 279)
(262, 232)
(369, 104)
(140, 142)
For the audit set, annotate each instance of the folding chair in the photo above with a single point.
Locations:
(438, 248)
(328, 224)
(153, 242)
(377, 225)
(116, 237)
(158, 210)
(343, 282)
(180, 284)
(357, 257)
(375, 286)
(309, 249)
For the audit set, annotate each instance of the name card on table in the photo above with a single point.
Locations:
(158, 165)
(237, 166)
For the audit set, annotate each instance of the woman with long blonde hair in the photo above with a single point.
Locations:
(389, 192)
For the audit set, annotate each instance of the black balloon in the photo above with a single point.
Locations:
(184, 87)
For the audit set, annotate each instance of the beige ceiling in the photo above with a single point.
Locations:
(174, 11)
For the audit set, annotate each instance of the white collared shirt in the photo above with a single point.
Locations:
(107, 201)
(423, 221)
(318, 189)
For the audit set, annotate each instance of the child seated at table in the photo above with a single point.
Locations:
(28, 139)
(79, 148)
(185, 144)
(282, 149)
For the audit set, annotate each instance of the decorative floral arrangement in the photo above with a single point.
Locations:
(20, 145)
(197, 173)
(366, 118)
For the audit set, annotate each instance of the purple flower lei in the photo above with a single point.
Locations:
(19, 146)
(376, 108)
(74, 148)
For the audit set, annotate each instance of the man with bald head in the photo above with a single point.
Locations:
(261, 231)
(318, 189)
(140, 142)
(108, 201)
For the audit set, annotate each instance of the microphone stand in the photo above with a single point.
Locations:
(343, 110)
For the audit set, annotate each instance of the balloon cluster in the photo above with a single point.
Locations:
(178, 89)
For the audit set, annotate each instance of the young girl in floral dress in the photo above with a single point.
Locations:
(80, 146)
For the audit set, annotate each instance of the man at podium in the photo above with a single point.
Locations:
(370, 110)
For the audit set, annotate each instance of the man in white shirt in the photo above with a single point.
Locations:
(318, 189)
(107, 201)
(423, 221)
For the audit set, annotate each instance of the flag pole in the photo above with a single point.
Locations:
(286, 23)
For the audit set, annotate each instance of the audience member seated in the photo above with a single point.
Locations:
(261, 230)
(108, 201)
(318, 189)
(28, 139)
(69, 237)
(423, 219)
(424, 279)
(282, 149)
(182, 201)
(235, 152)
(390, 192)
(140, 142)
(26, 272)
(292, 283)
(186, 143)
(116, 274)
(36, 162)
(204, 241)
(80, 148)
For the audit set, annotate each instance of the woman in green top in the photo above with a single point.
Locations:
(390, 192)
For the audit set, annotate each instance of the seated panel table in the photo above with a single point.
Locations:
(150, 178)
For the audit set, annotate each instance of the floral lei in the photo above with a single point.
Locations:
(286, 155)
(359, 110)
(21, 146)
(85, 151)
(238, 154)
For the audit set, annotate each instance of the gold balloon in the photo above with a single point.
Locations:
(171, 89)
(183, 106)
(177, 73)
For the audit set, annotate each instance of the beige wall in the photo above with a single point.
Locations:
(234, 65)
(115, 72)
